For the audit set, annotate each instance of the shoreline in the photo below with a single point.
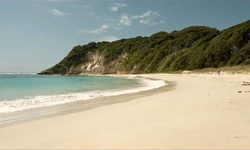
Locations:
(26, 115)
(200, 111)
(63, 97)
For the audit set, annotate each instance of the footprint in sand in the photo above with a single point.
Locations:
(239, 137)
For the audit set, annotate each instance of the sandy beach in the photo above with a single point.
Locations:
(195, 111)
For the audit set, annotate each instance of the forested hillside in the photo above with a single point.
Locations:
(192, 48)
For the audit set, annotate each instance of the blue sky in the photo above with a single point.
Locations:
(37, 34)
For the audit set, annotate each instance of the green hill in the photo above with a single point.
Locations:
(192, 48)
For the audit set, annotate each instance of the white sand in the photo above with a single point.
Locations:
(202, 111)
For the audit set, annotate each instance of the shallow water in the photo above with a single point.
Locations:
(25, 91)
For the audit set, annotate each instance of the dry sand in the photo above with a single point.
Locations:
(201, 111)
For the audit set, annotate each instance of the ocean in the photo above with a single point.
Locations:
(19, 91)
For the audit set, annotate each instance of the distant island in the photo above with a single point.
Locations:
(195, 47)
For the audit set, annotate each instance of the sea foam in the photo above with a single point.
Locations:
(7, 106)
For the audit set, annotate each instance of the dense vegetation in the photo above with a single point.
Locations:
(192, 48)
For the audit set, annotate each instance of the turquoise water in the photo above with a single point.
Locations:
(25, 91)
(21, 86)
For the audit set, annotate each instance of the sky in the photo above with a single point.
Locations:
(37, 34)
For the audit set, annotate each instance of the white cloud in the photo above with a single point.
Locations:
(146, 14)
(104, 27)
(117, 6)
(148, 18)
(114, 9)
(101, 29)
(125, 20)
(110, 38)
(57, 12)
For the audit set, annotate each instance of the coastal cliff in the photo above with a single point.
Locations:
(192, 48)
